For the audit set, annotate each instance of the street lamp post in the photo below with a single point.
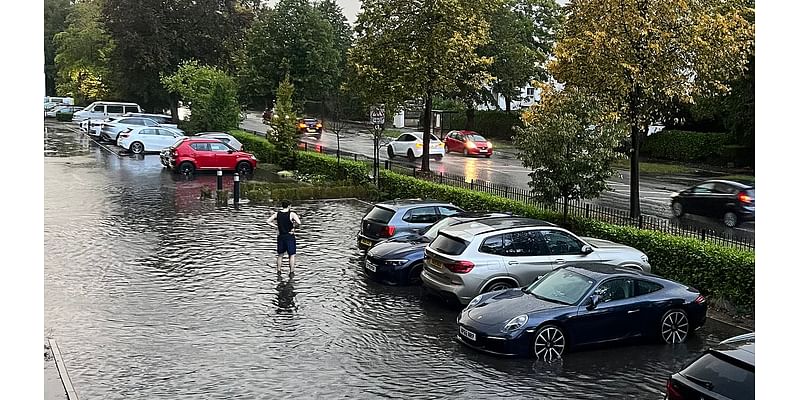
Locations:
(378, 117)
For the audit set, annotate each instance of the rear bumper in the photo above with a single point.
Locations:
(366, 242)
(448, 291)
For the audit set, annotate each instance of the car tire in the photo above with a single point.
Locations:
(548, 343)
(498, 285)
(137, 148)
(437, 158)
(674, 327)
(186, 168)
(466, 152)
(446, 149)
(677, 209)
(414, 274)
(730, 219)
(244, 168)
(390, 151)
(410, 155)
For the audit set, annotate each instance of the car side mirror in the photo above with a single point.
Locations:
(586, 249)
(594, 300)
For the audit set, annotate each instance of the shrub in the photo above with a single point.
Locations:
(492, 124)
(718, 272)
(685, 146)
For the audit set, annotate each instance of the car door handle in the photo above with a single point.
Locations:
(633, 311)
(513, 262)
(560, 261)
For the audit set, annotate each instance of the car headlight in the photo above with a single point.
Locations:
(395, 263)
(645, 259)
(254, 158)
(516, 323)
(475, 301)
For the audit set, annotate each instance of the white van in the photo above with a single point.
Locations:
(105, 109)
(60, 100)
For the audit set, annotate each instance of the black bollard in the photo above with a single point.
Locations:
(236, 190)
(219, 179)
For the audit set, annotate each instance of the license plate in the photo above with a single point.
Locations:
(437, 263)
(366, 242)
(483, 150)
(370, 266)
(467, 334)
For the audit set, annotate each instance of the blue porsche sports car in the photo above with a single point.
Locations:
(398, 261)
(580, 305)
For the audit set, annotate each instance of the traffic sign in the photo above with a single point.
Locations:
(377, 115)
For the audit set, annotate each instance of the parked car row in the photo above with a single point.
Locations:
(529, 287)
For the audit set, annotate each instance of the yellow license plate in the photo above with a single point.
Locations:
(366, 242)
(437, 263)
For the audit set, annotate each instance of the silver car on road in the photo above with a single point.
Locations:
(471, 258)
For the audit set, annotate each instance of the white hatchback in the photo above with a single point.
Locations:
(410, 145)
(140, 139)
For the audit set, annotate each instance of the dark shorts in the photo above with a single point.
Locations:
(286, 244)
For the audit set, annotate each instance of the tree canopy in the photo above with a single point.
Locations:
(211, 93)
(55, 21)
(646, 55)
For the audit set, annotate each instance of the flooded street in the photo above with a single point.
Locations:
(155, 294)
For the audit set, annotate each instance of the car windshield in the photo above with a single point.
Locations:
(379, 214)
(476, 138)
(449, 245)
(561, 286)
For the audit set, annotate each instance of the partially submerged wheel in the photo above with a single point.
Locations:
(186, 168)
(390, 151)
(137, 148)
(674, 326)
(410, 155)
(548, 343)
(499, 285)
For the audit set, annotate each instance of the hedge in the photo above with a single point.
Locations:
(492, 124)
(719, 272)
(685, 146)
(264, 192)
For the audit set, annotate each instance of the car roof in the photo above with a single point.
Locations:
(469, 229)
(201, 139)
(401, 203)
(599, 271)
(212, 133)
(134, 114)
(741, 348)
(732, 183)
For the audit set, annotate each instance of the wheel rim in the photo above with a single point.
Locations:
(499, 286)
(186, 168)
(730, 219)
(677, 209)
(549, 344)
(675, 327)
(136, 148)
(244, 169)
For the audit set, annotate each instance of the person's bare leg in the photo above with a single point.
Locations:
(291, 264)
(279, 262)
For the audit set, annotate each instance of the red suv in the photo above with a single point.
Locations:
(198, 153)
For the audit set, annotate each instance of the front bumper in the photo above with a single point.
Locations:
(499, 346)
(476, 151)
(393, 275)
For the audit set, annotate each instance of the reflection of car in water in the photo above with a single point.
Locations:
(310, 127)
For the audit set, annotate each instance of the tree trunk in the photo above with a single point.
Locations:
(173, 109)
(508, 103)
(470, 116)
(636, 137)
(426, 136)
(566, 203)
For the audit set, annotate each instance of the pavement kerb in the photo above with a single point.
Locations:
(62, 370)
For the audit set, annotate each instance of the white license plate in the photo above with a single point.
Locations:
(370, 266)
(366, 242)
(484, 151)
(467, 334)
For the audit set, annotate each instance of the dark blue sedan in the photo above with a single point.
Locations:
(398, 261)
(574, 306)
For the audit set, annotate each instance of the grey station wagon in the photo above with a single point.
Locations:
(471, 258)
(400, 217)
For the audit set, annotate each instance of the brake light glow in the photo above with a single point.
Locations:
(389, 230)
(460, 267)
(700, 299)
(125, 133)
(744, 198)
(672, 392)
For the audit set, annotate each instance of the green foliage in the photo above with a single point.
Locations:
(284, 123)
(64, 117)
(297, 40)
(492, 124)
(447, 104)
(685, 146)
(55, 21)
(211, 94)
(82, 54)
(568, 145)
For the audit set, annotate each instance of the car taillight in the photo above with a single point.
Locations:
(389, 230)
(744, 198)
(672, 391)
(700, 299)
(125, 133)
(460, 267)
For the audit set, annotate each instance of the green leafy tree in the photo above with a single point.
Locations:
(568, 143)
(82, 54)
(522, 37)
(405, 50)
(293, 39)
(284, 134)
(211, 93)
(55, 21)
(646, 55)
(154, 36)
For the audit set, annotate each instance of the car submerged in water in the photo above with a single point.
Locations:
(579, 305)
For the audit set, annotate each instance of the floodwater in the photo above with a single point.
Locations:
(155, 294)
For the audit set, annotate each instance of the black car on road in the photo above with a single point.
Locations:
(724, 372)
(734, 202)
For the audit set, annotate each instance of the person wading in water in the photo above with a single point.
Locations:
(287, 222)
